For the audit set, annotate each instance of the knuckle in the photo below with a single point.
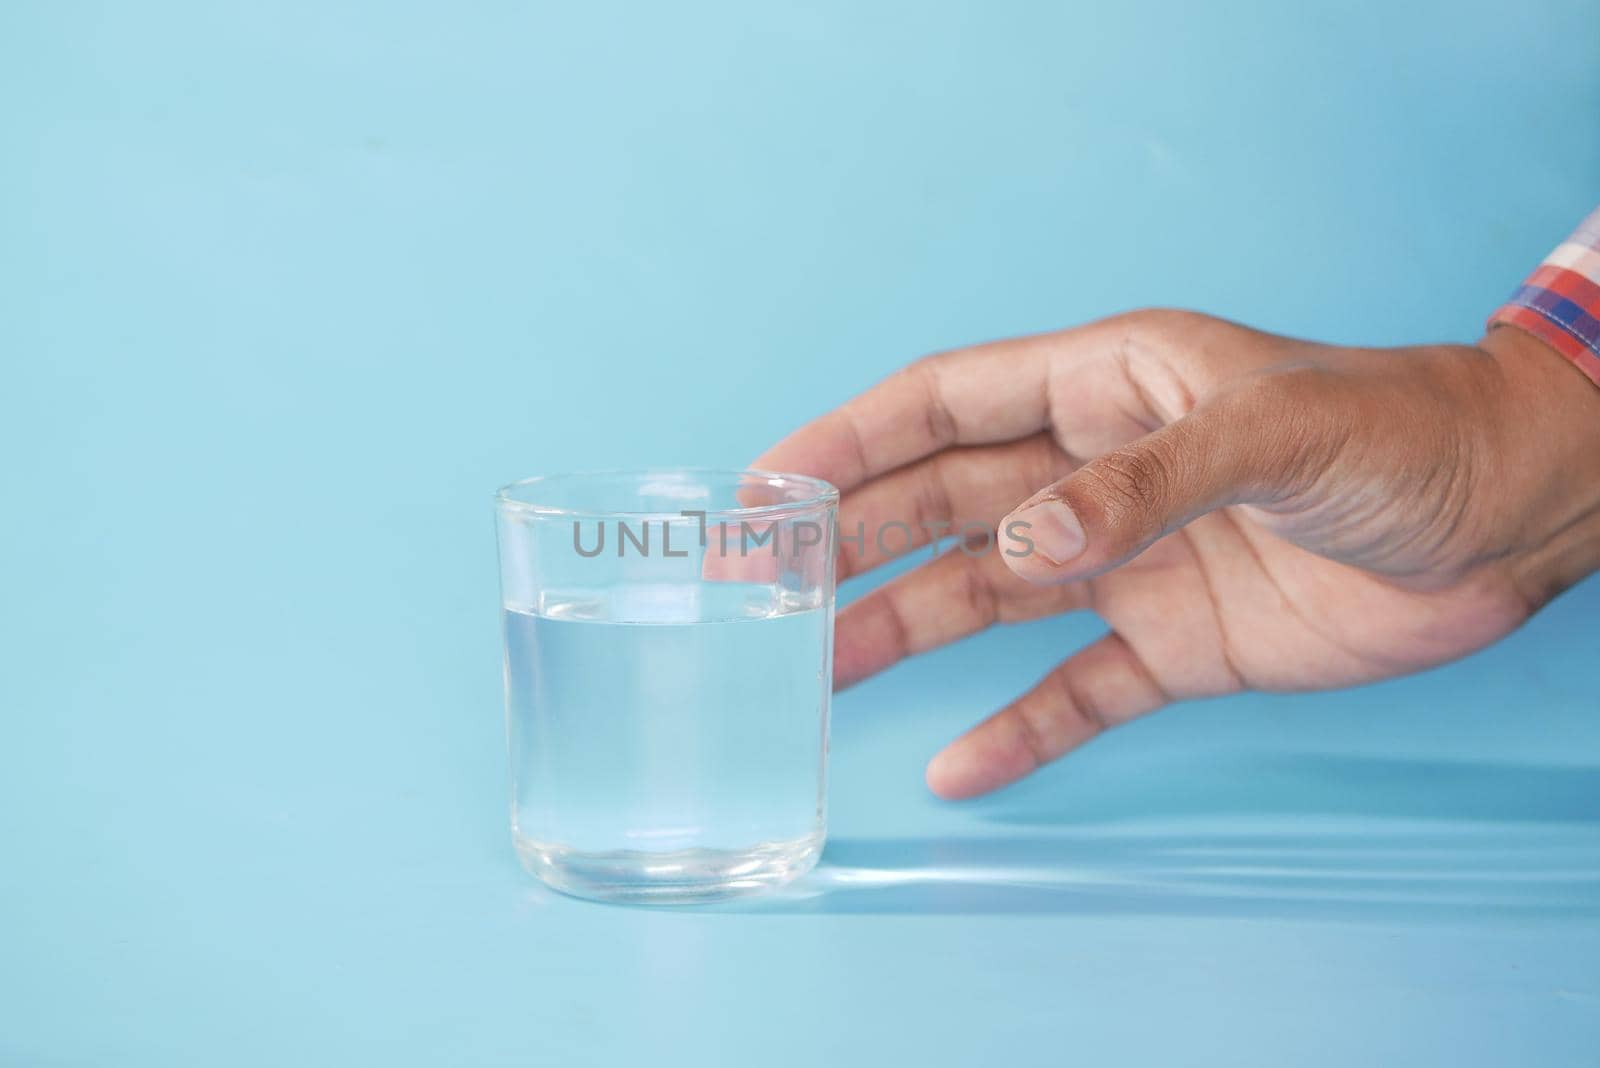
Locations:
(1076, 702)
(926, 374)
(1131, 480)
(1161, 323)
(932, 502)
(1032, 733)
(893, 625)
(1201, 351)
(1167, 356)
(983, 603)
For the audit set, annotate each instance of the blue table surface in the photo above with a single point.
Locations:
(286, 290)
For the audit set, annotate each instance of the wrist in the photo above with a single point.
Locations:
(1548, 434)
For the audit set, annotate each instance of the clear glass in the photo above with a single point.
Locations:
(668, 670)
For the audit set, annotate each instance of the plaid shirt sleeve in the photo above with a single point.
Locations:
(1560, 301)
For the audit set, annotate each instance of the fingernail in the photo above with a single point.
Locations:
(1055, 531)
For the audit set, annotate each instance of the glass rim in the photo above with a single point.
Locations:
(822, 494)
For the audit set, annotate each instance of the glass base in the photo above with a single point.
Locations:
(683, 877)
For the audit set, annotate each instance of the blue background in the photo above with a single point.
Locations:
(287, 289)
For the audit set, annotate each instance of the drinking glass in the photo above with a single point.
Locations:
(668, 669)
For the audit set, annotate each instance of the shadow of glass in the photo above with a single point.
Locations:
(1302, 784)
(1318, 838)
(1414, 876)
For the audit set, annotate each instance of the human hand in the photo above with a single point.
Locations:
(1244, 511)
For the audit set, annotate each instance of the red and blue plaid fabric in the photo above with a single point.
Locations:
(1560, 302)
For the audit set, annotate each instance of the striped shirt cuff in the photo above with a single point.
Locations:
(1560, 302)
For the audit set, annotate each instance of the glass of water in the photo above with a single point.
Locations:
(668, 668)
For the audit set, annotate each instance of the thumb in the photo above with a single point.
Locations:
(1112, 508)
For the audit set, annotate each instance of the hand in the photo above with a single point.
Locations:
(1243, 510)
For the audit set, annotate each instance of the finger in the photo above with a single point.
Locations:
(957, 594)
(1101, 686)
(981, 395)
(956, 493)
(1245, 446)
(1100, 384)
